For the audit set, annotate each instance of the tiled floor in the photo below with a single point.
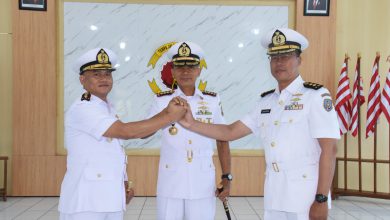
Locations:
(241, 208)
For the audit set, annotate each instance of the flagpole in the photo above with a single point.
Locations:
(359, 129)
(345, 163)
(375, 139)
(388, 60)
(346, 143)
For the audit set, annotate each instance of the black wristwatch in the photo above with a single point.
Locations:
(320, 198)
(227, 176)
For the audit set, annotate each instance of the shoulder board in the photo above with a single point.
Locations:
(164, 93)
(209, 93)
(266, 93)
(312, 85)
(86, 96)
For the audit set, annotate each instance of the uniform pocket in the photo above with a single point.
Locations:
(292, 117)
(99, 174)
(302, 174)
(264, 121)
(168, 165)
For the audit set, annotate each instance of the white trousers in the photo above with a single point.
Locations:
(188, 209)
(92, 216)
(279, 215)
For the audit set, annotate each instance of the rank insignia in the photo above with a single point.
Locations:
(294, 106)
(220, 104)
(312, 85)
(86, 96)
(328, 106)
(297, 94)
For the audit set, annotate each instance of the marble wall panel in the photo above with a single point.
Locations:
(237, 65)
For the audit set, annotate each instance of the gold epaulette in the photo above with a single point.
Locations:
(209, 93)
(164, 93)
(86, 96)
(312, 85)
(266, 93)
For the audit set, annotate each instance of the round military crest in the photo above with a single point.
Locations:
(328, 106)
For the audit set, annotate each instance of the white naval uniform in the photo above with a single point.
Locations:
(96, 165)
(289, 123)
(186, 169)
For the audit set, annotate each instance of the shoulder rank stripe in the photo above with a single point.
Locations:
(164, 93)
(86, 96)
(312, 85)
(209, 93)
(266, 93)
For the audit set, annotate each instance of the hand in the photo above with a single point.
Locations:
(129, 191)
(188, 119)
(176, 108)
(318, 211)
(224, 195)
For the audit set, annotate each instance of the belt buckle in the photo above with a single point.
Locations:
(275, 167)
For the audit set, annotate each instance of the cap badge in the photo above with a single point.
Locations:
(278, 38)
(184, 50)
(102, 57)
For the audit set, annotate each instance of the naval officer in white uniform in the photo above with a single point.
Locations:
(298, 127)
(186, 179)
(94, 186)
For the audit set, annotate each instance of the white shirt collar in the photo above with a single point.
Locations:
(99, 100)
(197, 93)
(293, 87)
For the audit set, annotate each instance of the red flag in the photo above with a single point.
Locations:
(357, 99)
(385, 100)
(374, 96)
(343, 107)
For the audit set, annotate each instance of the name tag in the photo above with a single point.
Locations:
(265, 111)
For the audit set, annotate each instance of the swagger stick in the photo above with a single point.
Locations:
(225, 205)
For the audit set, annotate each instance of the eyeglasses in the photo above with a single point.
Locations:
(281, 57)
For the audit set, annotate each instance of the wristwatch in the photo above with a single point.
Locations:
(227, 176)
(320, 198)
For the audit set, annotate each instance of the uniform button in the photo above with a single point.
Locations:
(304, 175)
(189, 141)
(291, 120)
(281, 102)
(276, 122)
(273, 144)
(262, 124)
(166, 166)
(99, 175)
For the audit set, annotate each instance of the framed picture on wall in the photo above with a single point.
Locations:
(37, 5)
(316, 8)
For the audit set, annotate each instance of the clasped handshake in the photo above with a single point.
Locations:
(178, 110)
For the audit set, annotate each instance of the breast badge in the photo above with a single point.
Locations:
(294, 106)
(203, 110)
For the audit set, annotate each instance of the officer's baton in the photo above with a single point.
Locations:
(225, 205)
